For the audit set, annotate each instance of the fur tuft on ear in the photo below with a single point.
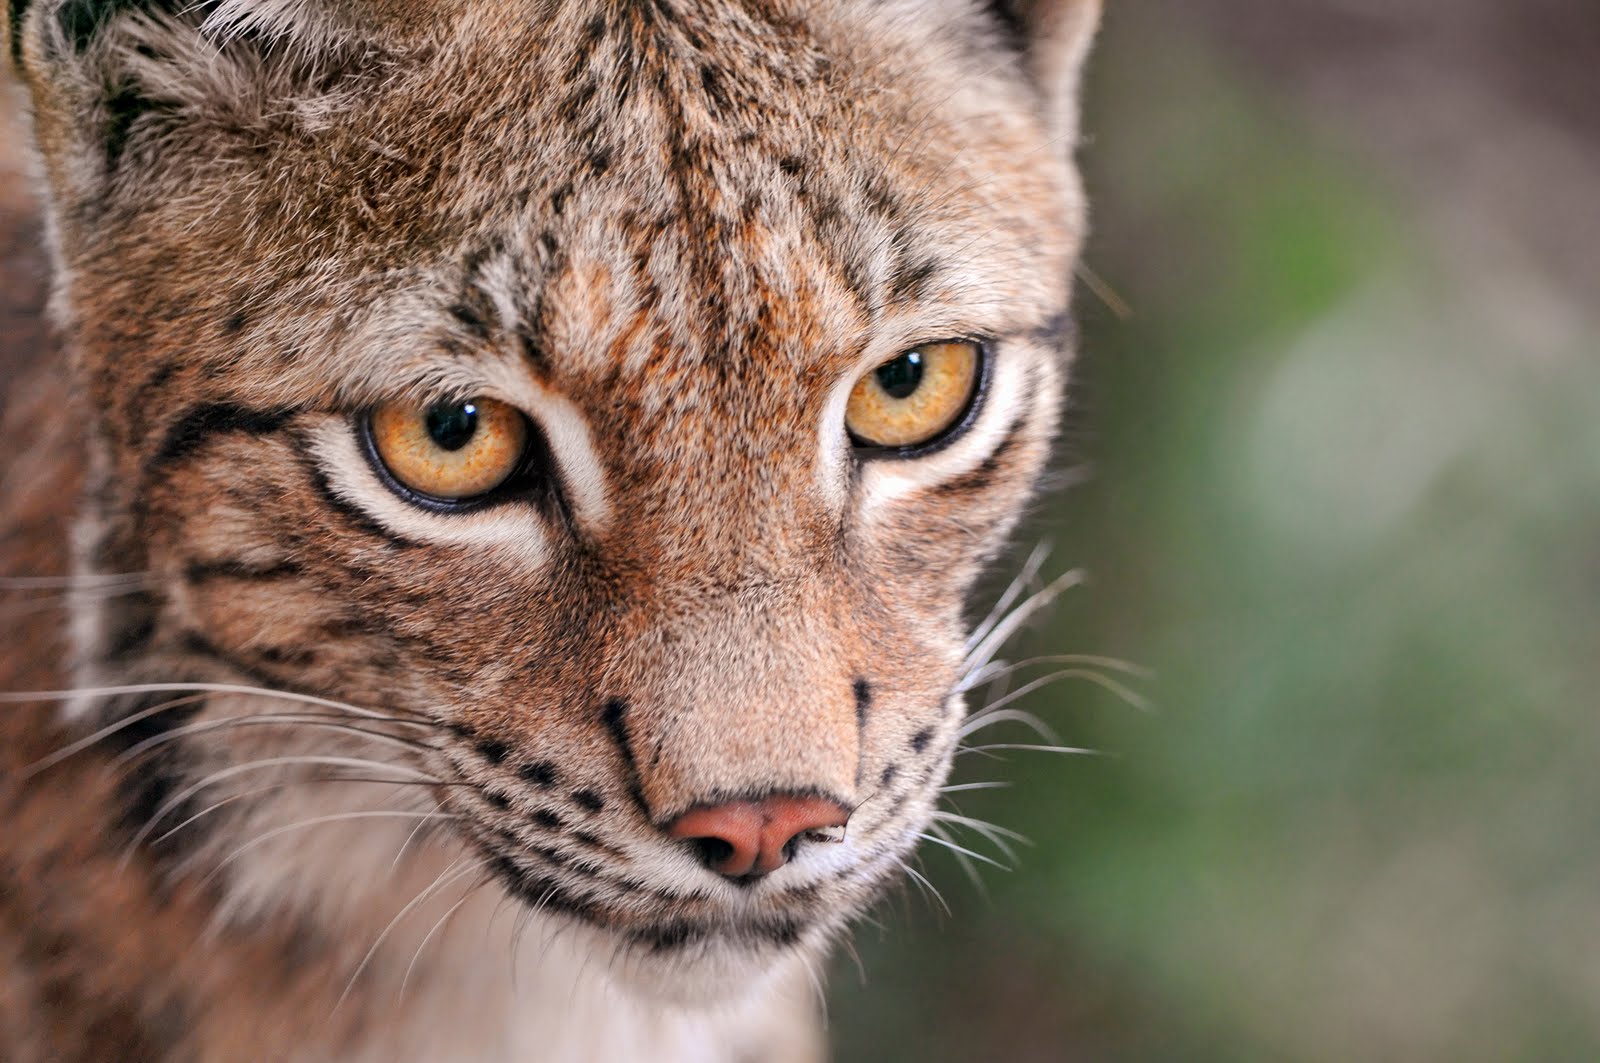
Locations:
(1054, 37)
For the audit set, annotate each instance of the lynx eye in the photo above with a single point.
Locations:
(916, 399)
(453, 451)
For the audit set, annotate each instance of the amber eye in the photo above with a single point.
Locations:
(917, 398)
(450, 450)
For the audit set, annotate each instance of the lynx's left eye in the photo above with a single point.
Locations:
(449, 451)
(917, 399)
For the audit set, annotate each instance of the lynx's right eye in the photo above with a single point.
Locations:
(917, 400)
(450, 452)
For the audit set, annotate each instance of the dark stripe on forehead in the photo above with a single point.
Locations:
(200, 423)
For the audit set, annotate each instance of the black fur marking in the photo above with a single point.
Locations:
(920, 740)
(16, 11)
(541, 773)
(1055, 333)
(910, 282)
(589, 800)
(234, 323)
(199, 572)
(471, 319)
(711, 82)
(134, 635)
(493, 750)
(614, 716)
(203, 422)
(888, 775)
(197, 644)
(1013, 25)
(354, 515)
(548, 819)
(498, 800)
(82, 20)
(124, 107)
(863, 693)
(161, 769)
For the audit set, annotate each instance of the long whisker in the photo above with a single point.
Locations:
(131, 719)
(445, 878)
(55, 583)
(962, 850)
(959, 787)
(1005, 628)
(1030, 569)
(989, 718)
(24, 697)
(966, 863)
(267, 720)
(922, 881)
(443, 919)
(998, 836)
(1096, 678)
(1069, 750)
(73, 748)
(254, 791)
(314, 821)
(222, 774)
(999, 670)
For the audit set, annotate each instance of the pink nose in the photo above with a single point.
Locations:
(745, 838)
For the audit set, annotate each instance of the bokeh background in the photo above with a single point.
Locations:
(1339, 411)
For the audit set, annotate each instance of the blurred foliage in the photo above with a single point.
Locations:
(1346, 512)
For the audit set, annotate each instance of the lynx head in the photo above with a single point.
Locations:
(620, 400)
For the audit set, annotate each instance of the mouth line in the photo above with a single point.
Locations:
(658, 933)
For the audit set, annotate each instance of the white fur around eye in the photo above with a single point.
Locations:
(514, 530)
(887, 479)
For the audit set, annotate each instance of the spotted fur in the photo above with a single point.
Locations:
(346, 731)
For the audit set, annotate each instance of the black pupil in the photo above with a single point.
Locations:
(452, 425)
(901, 377)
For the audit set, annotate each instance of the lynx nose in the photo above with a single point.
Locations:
(743, 839)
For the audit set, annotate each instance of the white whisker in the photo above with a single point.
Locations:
(963, 850)
(1000, 669)
(265, 720)
(1070, 750)
(1030, 569)
(23, 697)
(990, 717)
(220, 775)
(315, 821)
(1002, 631)
(927, 887)
(966, 863)
(959, 787)
(445, 877)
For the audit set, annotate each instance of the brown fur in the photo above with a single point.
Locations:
(670, 232)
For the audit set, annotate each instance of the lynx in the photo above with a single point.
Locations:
(527, 463)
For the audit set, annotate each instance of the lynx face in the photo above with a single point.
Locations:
(615, 403)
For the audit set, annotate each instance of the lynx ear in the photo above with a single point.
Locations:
(119, 84)
(1054, 37)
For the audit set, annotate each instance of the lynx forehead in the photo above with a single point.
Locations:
(602, 411)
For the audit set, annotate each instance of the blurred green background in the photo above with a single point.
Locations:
(1343, 500)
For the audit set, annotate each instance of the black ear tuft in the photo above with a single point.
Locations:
(1012, 22)
(82, 20)
(16, 11)
(1053, 38)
